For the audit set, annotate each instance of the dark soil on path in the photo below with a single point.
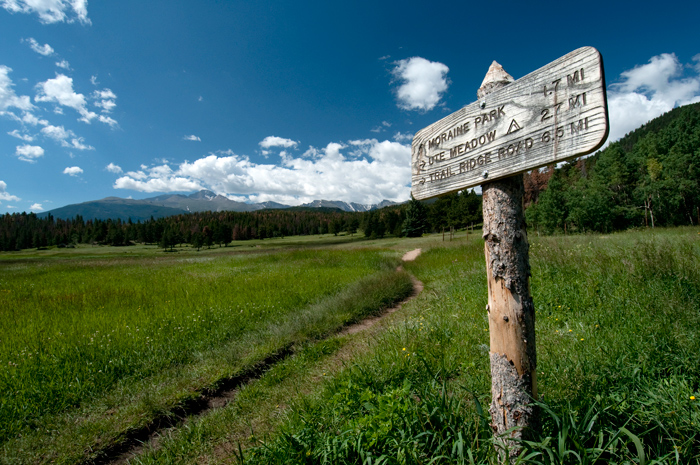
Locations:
(219, 396)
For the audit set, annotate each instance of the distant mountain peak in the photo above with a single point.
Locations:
(203, 195)
(174, 204)
(347, 206)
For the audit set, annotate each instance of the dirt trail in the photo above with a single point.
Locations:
(412, 255)
(373, 320)
(149, 437)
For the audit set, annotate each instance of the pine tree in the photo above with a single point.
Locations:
(416, 218)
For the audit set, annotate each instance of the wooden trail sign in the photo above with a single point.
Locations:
(553, 114)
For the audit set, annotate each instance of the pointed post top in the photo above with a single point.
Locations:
(496, 77)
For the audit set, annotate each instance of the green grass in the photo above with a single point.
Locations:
(618, 363)
(618, 339)
(95, 345)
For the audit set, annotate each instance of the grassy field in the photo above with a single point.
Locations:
(618, 338)
(96, 342)
(618, 363)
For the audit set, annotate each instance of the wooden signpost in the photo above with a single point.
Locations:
(553, 114)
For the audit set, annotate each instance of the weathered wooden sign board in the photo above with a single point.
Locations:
(556, 113)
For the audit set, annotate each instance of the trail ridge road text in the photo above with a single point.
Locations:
(553, 114)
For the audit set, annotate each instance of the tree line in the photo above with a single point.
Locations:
(649, 178)
(206, 229)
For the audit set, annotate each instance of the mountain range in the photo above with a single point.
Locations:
(176, 204)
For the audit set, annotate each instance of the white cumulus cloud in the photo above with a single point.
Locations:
(57, 133)
(159, 178)
(6, 196)
(167, 184)
(29, 153)
(274, 141)
(50, 11)
(422, 83)
(36, 207)
(45, 49)
(376, 171)
(8, 98)
(192, 138)
(60, 90)
(73, 171)
(649, 90)
(112, 168)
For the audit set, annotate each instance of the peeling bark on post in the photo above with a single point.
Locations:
(511, 310)
(548, 116)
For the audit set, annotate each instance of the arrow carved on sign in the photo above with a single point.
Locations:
(553, 114)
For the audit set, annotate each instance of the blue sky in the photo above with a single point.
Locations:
(289, 101)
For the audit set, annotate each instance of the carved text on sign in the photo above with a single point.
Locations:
(556, 113)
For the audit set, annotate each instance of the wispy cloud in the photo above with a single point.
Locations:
(45, 49)
(192, 138)
(112, 168)
(403, 137)
(105, 99)
(382, 127)
(65, 137)
(19, 135)
(63, 64)
(8, 98)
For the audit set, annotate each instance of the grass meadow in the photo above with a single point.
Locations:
(618, 342)
(618, 328)
(93, 344)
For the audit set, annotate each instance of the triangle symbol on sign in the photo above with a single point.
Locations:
(514, 126)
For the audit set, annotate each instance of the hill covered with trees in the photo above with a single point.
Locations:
(650, 177)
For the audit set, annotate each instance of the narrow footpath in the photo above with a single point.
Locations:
(148, 438)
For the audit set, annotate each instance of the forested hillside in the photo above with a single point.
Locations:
(204, 229)
(651, 177)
